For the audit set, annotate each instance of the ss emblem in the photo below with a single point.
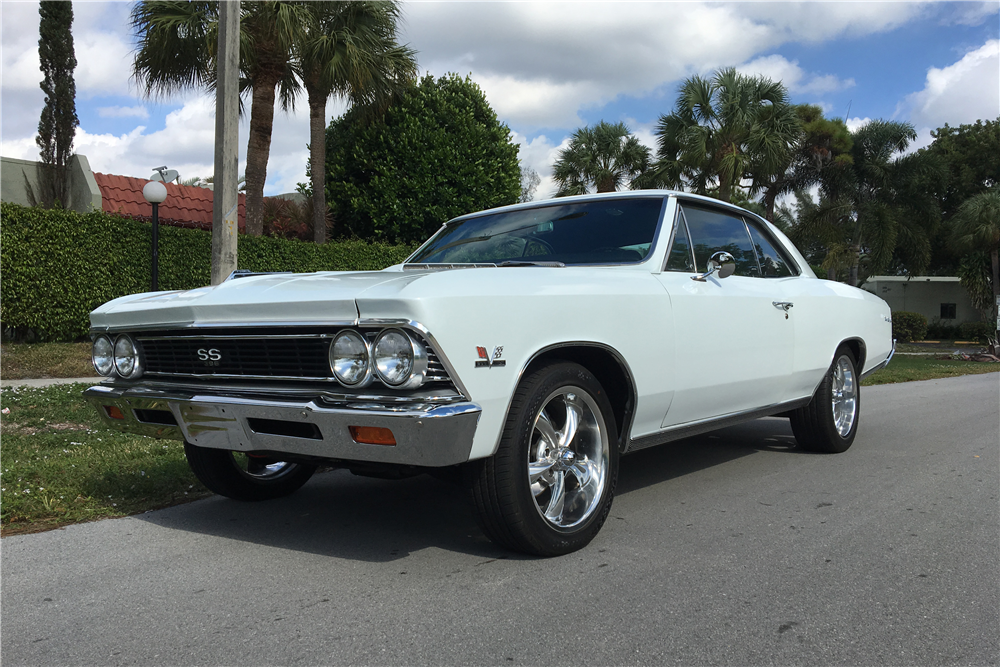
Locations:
(211, 356)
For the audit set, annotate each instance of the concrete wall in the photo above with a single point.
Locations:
(16, 176)
(925, 296)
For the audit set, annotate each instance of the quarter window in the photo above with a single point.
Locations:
(772, 263)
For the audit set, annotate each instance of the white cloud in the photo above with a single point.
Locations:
(138, 111)
(854, 123)
(794, 78)
(963, 92)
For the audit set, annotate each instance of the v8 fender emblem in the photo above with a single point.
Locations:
(486, 361)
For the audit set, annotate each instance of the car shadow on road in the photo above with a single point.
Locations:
(652, 466)
(344, 516)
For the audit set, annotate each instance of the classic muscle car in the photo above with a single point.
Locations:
(528, 346)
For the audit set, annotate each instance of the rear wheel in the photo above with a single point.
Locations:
(548, 489)
(829, 422)
(246, 476)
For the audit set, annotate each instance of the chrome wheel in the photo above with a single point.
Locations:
(844, 395)
(568, 457)
(260, 467)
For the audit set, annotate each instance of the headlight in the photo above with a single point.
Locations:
(103, 355)
(127, 357)
(400, 361)
(349, 358)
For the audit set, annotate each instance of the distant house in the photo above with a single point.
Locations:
(185, 205)
(938, 298)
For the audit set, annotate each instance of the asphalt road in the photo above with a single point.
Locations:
(732, 548)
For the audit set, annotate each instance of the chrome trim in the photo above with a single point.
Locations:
(882, 364)
(782, 305)
(247, 273)
(162, 326)
(718, 262)
(629, 414)
(283, 393)
(422, 330)
(238, 336)
(426, 435)
(224, 376)
(688, 429)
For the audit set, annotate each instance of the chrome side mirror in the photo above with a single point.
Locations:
(720, 261)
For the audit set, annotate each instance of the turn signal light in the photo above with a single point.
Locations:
(114, 412)
(372, 435)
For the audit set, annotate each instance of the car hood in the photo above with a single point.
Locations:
(266, 299)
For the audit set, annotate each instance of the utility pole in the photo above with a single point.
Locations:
(225, 206)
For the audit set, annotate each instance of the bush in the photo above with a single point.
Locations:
(908, 327)
(59, 265)
(977, 331)
(939, 330)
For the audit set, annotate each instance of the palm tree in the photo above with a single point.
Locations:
(724, 130)
(347, 49)
(883, 214)
(604, 157)
(176, 50)
(976, 227)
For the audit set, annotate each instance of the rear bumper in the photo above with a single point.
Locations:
(426, 435)
(883, 364)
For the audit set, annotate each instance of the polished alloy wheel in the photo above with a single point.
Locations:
(261, 468)
(568, 457)
(844, 396)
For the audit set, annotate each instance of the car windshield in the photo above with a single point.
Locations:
(609, 231)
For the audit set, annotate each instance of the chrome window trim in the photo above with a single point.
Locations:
(680, 217)
(222, 325)
(777, 245)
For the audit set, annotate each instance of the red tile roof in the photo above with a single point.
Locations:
(185, 205)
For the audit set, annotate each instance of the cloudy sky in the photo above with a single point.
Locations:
(547, 68)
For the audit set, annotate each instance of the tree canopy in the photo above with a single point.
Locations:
(603, 157)
(58, 122)
(438, 152)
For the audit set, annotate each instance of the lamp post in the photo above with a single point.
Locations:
(155, 192)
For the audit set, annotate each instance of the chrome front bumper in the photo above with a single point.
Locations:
(425, 435)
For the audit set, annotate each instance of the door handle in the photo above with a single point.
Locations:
(782, 305)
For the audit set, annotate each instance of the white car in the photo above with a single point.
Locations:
(531, 345)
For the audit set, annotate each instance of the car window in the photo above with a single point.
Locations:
(609, 231)
(772, 263)
(712, 231)
(679, 258)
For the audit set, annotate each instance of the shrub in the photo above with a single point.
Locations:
(59, 265)
(907, 327)
(939, 330)
(977, 331)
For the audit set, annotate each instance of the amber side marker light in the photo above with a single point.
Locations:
(372, 435)
(114, 412)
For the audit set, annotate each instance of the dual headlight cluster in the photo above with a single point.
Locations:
(395, 358)
(120, 357)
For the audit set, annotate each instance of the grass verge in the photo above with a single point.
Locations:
(45, 360)
(904, 368)
(59, 466)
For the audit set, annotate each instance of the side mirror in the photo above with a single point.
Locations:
(720, 261)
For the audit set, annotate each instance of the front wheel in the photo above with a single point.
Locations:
(246, 476)
(548, 489)
(829, 422)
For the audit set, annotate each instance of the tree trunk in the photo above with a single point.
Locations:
(258, 151)
(856, 252)
(317, 162)
(831, 274)
(995, 261)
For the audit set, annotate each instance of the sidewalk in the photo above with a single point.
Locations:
(45, 382)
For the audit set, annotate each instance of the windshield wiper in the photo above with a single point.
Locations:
(524, 262)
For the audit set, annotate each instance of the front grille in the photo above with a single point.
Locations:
(273, 356)
(258, 357)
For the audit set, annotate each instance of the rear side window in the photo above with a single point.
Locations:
(712, 231)
(772, 263)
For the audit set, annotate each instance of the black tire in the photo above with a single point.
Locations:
(240, 477)
(578, 485)
(815, 426)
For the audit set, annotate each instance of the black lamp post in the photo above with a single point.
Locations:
(155, 192)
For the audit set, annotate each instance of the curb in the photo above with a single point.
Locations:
(45, 382)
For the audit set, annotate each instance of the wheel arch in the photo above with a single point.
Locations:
(857, 346)
(610, 369)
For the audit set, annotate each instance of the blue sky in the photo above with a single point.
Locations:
(548, 68)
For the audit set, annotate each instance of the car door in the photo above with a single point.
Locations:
(734, 345)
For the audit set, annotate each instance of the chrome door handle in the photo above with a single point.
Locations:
(782, 305)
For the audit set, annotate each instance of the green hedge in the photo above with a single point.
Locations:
(908, 327)
(56, 266)
(977, 331)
